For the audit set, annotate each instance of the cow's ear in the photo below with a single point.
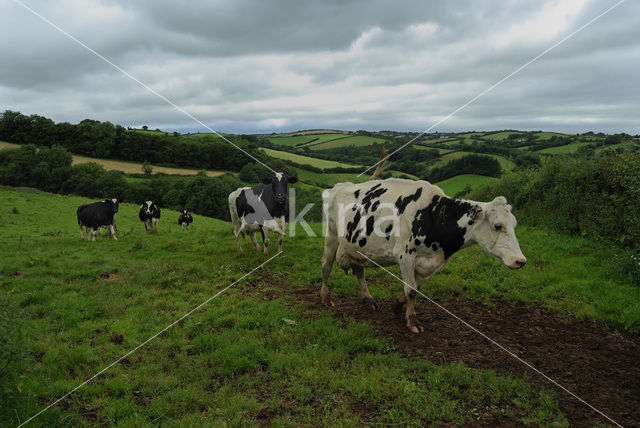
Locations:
(293, 180)
(476, 213)
(266, 180)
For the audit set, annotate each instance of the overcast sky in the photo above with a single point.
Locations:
(281, 65)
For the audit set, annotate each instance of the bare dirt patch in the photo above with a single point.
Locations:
(600, 365)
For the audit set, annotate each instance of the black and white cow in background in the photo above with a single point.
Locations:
(411, 224)
(149, 214)
(262, 208)
(185, 219)
(96, 215)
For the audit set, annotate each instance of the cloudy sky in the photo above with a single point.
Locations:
(282, 65)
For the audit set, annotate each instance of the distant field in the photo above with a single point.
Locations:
(567, 148)
(320, 163)
(126, 167)
(441, 151)
(500, 135)
(299, 140)
(505, 163)
(548, 135)
(323, 180)
(456, 184)
(357, 140)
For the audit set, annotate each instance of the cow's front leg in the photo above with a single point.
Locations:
(409, 278)
(265, 240)
(81, 232)
(113, 232)
(252, 235)
(358, 271)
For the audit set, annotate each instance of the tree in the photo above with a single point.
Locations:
(147, 169)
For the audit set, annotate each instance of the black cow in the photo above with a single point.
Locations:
(96, 215)
(185, 219)
(261, 208)
(149, 214)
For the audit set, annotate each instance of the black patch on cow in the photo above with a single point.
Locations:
(438, 223)
(434, 246)
(351, 226)
(372, 194)
(375, 206)
(356, 194)
(355, 236)
(387, 232)
(417, 242)
(401, 203)
(470, 222)
(362, 242)
(370, 222)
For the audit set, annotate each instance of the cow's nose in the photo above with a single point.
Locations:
(520, 263)
(280, 196)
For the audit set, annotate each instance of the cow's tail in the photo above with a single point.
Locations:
(383, 159)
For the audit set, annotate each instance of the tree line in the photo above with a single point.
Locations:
(105, 140)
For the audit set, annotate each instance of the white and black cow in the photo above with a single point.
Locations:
(412, 224)
(96, 215)
(262, 208)
(149, 214)
(185, 219)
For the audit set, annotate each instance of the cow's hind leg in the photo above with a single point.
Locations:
(358, 271)
(81, 231)
(112, 230)
(410, 287)
(329, 256)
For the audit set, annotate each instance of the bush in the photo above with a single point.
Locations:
(597, 198)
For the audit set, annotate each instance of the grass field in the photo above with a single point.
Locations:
(356, 140)
(456, 184)
(300, 140)
(74, 307)
(567, 148)
(126, 167)
(320, 163)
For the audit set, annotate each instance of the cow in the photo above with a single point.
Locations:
(149, 214)
(96, 215)
(412, 224)
(262, 208)
(185, 219)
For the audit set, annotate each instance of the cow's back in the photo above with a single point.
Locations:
(374, 218)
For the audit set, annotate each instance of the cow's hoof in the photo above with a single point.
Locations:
(371, 302)
(414, 325)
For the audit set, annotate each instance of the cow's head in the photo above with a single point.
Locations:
(113, 203)
(279, 182)
(185, 212)
(146, 207)
(492, 226)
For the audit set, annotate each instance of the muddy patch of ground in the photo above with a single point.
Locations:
(600, 365)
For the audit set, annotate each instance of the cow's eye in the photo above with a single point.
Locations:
(498, 227)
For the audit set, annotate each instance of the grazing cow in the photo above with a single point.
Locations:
(411, 224)
(96, 215)
(185, 219)
(261, 208)
(149, 214)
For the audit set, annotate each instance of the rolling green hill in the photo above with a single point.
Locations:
(320, 163)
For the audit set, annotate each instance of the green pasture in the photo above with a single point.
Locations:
(356, 140)
(458, 183)
(251, 355)
(320, 163)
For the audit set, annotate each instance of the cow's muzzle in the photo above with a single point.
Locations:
(280, 198)
(517, 264)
